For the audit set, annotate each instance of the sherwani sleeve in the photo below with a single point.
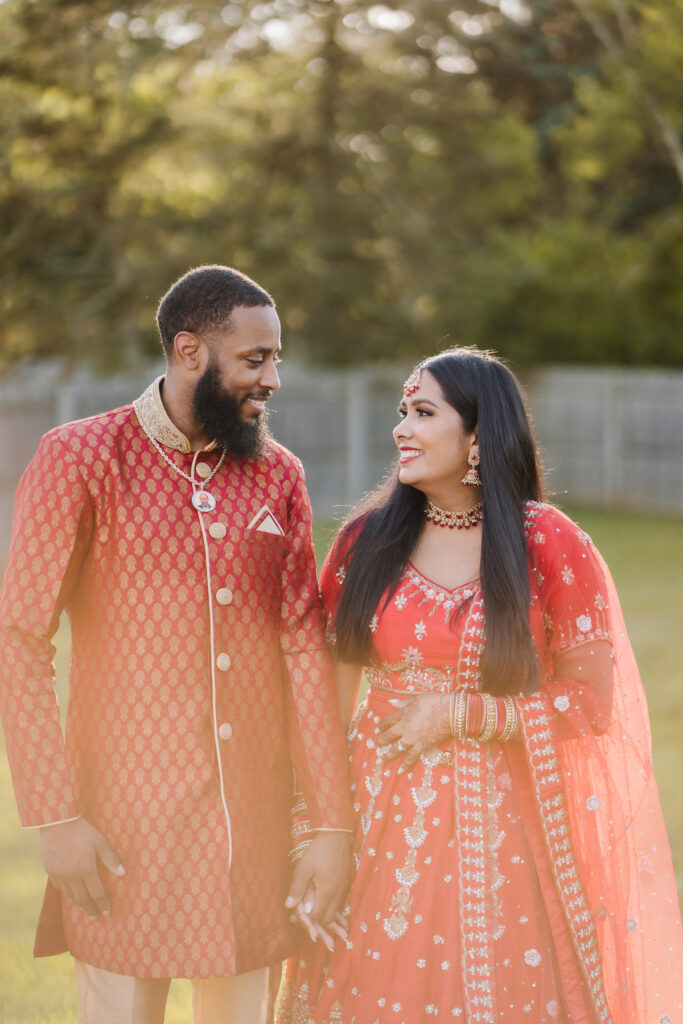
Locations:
(316, 732)
(52, 519)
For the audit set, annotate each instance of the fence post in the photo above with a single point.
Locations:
(612, 438)
(357, 393)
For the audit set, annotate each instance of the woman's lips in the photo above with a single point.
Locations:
(408, 454)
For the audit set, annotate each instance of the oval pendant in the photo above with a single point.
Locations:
(203, 501)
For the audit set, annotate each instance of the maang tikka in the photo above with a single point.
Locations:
(413, 382)
(471, 477)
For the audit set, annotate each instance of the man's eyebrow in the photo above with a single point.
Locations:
(262, 349)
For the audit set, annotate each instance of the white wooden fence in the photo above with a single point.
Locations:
(609, 436)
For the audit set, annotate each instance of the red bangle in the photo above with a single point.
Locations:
(475, 714)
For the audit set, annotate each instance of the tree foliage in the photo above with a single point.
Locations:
(507, 174)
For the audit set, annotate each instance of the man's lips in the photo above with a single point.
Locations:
(256, 402)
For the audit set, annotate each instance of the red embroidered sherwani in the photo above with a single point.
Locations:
(198, 681)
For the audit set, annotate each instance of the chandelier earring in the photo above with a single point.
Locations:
(471, 477)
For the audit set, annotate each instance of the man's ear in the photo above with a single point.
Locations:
(189, 350)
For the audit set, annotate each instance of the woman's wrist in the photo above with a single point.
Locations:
(482, 717)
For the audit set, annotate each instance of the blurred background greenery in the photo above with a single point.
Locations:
(502, 172)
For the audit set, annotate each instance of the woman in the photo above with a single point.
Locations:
(511, 860)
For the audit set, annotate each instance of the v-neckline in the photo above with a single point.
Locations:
(439, 586)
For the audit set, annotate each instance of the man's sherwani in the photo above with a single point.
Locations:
(198, 680)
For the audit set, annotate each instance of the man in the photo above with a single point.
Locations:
(176, 534)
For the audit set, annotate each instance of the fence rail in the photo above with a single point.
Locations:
(609, 437)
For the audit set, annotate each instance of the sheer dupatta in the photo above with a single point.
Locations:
(587, 747)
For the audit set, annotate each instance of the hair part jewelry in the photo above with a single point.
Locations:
(413, 382)
(471, 477)
(454, 520)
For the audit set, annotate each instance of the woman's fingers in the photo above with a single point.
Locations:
(385, 739)
(389, 721)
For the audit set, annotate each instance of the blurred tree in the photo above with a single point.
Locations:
(503, 174)
(593, 275)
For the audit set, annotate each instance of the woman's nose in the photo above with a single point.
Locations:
(400, 431)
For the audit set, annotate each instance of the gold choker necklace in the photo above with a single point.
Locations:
(454, 520)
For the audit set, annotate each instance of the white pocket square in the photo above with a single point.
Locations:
(265, 522)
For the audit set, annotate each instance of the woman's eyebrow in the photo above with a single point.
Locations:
(419, 401)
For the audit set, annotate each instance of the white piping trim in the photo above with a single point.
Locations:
(214, 709)
(50, 824)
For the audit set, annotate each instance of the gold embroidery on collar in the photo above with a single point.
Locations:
(155, 420)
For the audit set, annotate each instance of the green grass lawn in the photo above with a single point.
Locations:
(645, 555)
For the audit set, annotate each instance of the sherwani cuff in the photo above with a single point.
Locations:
(46, 816)
(51, 824)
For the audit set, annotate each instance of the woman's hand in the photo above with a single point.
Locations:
(419, 724)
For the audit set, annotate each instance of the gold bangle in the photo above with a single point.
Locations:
(451, 714)
(511, 720)
(490, 725)
(300, 828)
(460, 711)
(297, 852)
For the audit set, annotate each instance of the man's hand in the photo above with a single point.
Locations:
(319, 886)
(70, 852)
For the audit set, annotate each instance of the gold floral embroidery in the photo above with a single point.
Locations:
(433, 596)
(396, 924)
(544, 762)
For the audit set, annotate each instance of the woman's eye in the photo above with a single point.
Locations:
(424, 412)
(402, 412)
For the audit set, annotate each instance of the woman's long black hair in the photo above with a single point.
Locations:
(376, 543)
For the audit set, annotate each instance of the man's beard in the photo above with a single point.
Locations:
(218, 413)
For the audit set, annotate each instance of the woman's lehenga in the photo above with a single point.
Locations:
(502, 882)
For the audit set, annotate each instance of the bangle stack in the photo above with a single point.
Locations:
(483, 717)
(299, 828)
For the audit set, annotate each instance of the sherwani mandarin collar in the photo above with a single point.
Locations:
(156, 423)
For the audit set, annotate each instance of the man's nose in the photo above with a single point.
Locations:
(269, 377)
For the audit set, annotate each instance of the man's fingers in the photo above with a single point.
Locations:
(328, 898)
(302, 918)
(110, 859)
(300, 883)
(81, 897)
(95, 889)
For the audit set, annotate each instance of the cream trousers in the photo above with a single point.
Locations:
(106, 998)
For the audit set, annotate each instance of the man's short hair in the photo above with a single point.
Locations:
(203, 299)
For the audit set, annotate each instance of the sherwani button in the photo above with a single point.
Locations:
(218, 531)
(225, 731)
(224, 596)
(223, 662)
(203, 470)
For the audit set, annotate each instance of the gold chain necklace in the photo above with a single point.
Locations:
(454, 520)
(202, 499)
